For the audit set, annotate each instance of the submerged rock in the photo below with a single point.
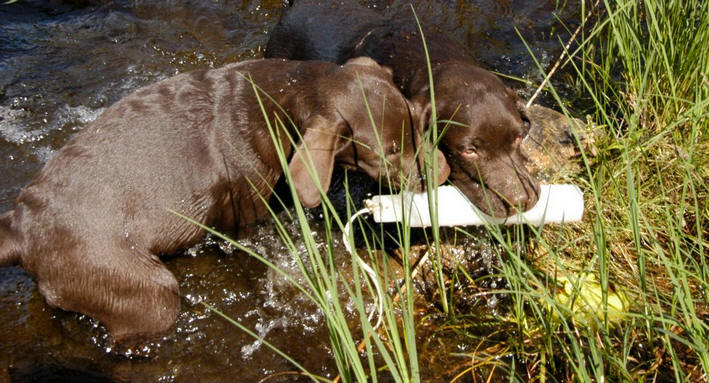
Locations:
(553, 151)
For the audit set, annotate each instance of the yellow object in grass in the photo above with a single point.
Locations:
(582, 298)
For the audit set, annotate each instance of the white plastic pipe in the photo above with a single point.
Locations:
(557, 204)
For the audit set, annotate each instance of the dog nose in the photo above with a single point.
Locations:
(522, 201)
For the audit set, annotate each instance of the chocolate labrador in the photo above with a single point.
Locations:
(93, 224)
(486, 120)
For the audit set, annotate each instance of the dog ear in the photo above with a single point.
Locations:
(421, 111)
(522, 109)
(314, 158)
(422, 116)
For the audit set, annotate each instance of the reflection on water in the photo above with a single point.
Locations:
(63, 62)
(202, 347)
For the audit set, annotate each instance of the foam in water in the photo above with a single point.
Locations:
(15, 124)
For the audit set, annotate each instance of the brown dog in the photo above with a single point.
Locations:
(91, 227)
(482, 144)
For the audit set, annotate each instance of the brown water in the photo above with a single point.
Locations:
(63, 62)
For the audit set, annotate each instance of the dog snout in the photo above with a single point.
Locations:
(526, 196)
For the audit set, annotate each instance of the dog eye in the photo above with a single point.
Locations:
(471, 153)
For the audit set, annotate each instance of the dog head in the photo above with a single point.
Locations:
(484, 124)
(368, 125)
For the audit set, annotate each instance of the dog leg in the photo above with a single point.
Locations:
(131, 293)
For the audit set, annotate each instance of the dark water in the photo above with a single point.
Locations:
(63, 62)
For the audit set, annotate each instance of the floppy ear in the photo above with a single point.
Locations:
(522, 109)
(422, 114)
(321, 138)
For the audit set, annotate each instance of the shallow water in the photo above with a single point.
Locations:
(63, 62)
